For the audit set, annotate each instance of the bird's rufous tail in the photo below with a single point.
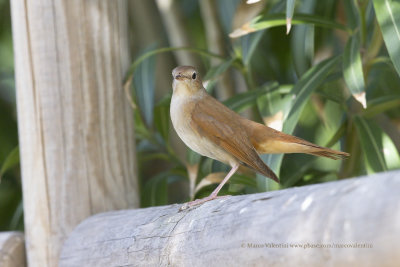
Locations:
(269, 141)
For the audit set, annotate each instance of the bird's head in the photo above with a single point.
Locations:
(186, 80)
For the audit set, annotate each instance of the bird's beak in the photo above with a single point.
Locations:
(178, 77)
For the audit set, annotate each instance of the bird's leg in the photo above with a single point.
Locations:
(214, 194)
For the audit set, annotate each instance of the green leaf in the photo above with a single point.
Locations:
(371, 142)
(155, 192)
(390, 152)
(218, 69)
(303, 89)
(274, 20)
(352, 14)
(301, 92)
(250, 42)
(144, 77)
(154, 52)
(11, 161)
(302, 42)
(192, 157)
(214, 72)
(244, 100)
(380, 105)
(289, 14)
(161, 117)
(388, 15)
(352, 69)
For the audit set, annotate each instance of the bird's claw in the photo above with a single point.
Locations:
(197, 202)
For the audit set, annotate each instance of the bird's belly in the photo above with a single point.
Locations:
(197, 142)
(203, 146)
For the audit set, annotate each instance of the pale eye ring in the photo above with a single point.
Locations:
(194, 75)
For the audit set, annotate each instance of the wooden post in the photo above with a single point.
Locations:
(75, 124)
(354, 222)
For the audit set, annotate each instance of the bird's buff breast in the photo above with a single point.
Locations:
(181, 110)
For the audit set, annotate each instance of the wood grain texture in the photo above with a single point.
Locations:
(75, 124)
(252, 230)
(12, 249)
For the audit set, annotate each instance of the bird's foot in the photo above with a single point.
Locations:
(197, 202)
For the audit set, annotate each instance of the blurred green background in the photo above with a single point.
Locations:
(333, 80)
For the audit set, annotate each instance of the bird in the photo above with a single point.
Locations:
(213, 130)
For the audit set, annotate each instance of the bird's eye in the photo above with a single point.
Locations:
(194, 76)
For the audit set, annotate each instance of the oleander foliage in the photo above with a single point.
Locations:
(333, 80)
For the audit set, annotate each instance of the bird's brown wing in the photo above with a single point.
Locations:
(223, 127)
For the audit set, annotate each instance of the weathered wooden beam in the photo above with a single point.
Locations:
(353, 222)
(75, 125)
(12, 249)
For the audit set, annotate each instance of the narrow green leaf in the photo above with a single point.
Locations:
(274, 20)
(192, 157)
(144, 77)
(161, 117)
(371, 142)
(11, 161)
(352, 14)
(241, 101)
(380, 105)
(302, 41)
(289, 14)
(352, 69)
(251, 41)
(303, 89)
(392, 157)
(155, 192)
(154, 52)
(301, 92)
(218, 69)
(212, 74)
(249, 44)
(388, 15)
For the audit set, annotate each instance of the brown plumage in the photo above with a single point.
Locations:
(213, 130)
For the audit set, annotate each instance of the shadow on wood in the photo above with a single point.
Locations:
(353, 222)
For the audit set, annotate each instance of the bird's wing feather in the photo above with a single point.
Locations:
(223, 127)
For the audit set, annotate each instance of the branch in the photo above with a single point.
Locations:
(324, 221)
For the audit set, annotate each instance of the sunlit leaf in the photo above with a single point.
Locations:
(388, 15)
(289, 14)
(11, 161)
(301, 92)
(390, 153)
(274, 106)
(370, 136)
(274, 20)
(303, 89)
(352, 69)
